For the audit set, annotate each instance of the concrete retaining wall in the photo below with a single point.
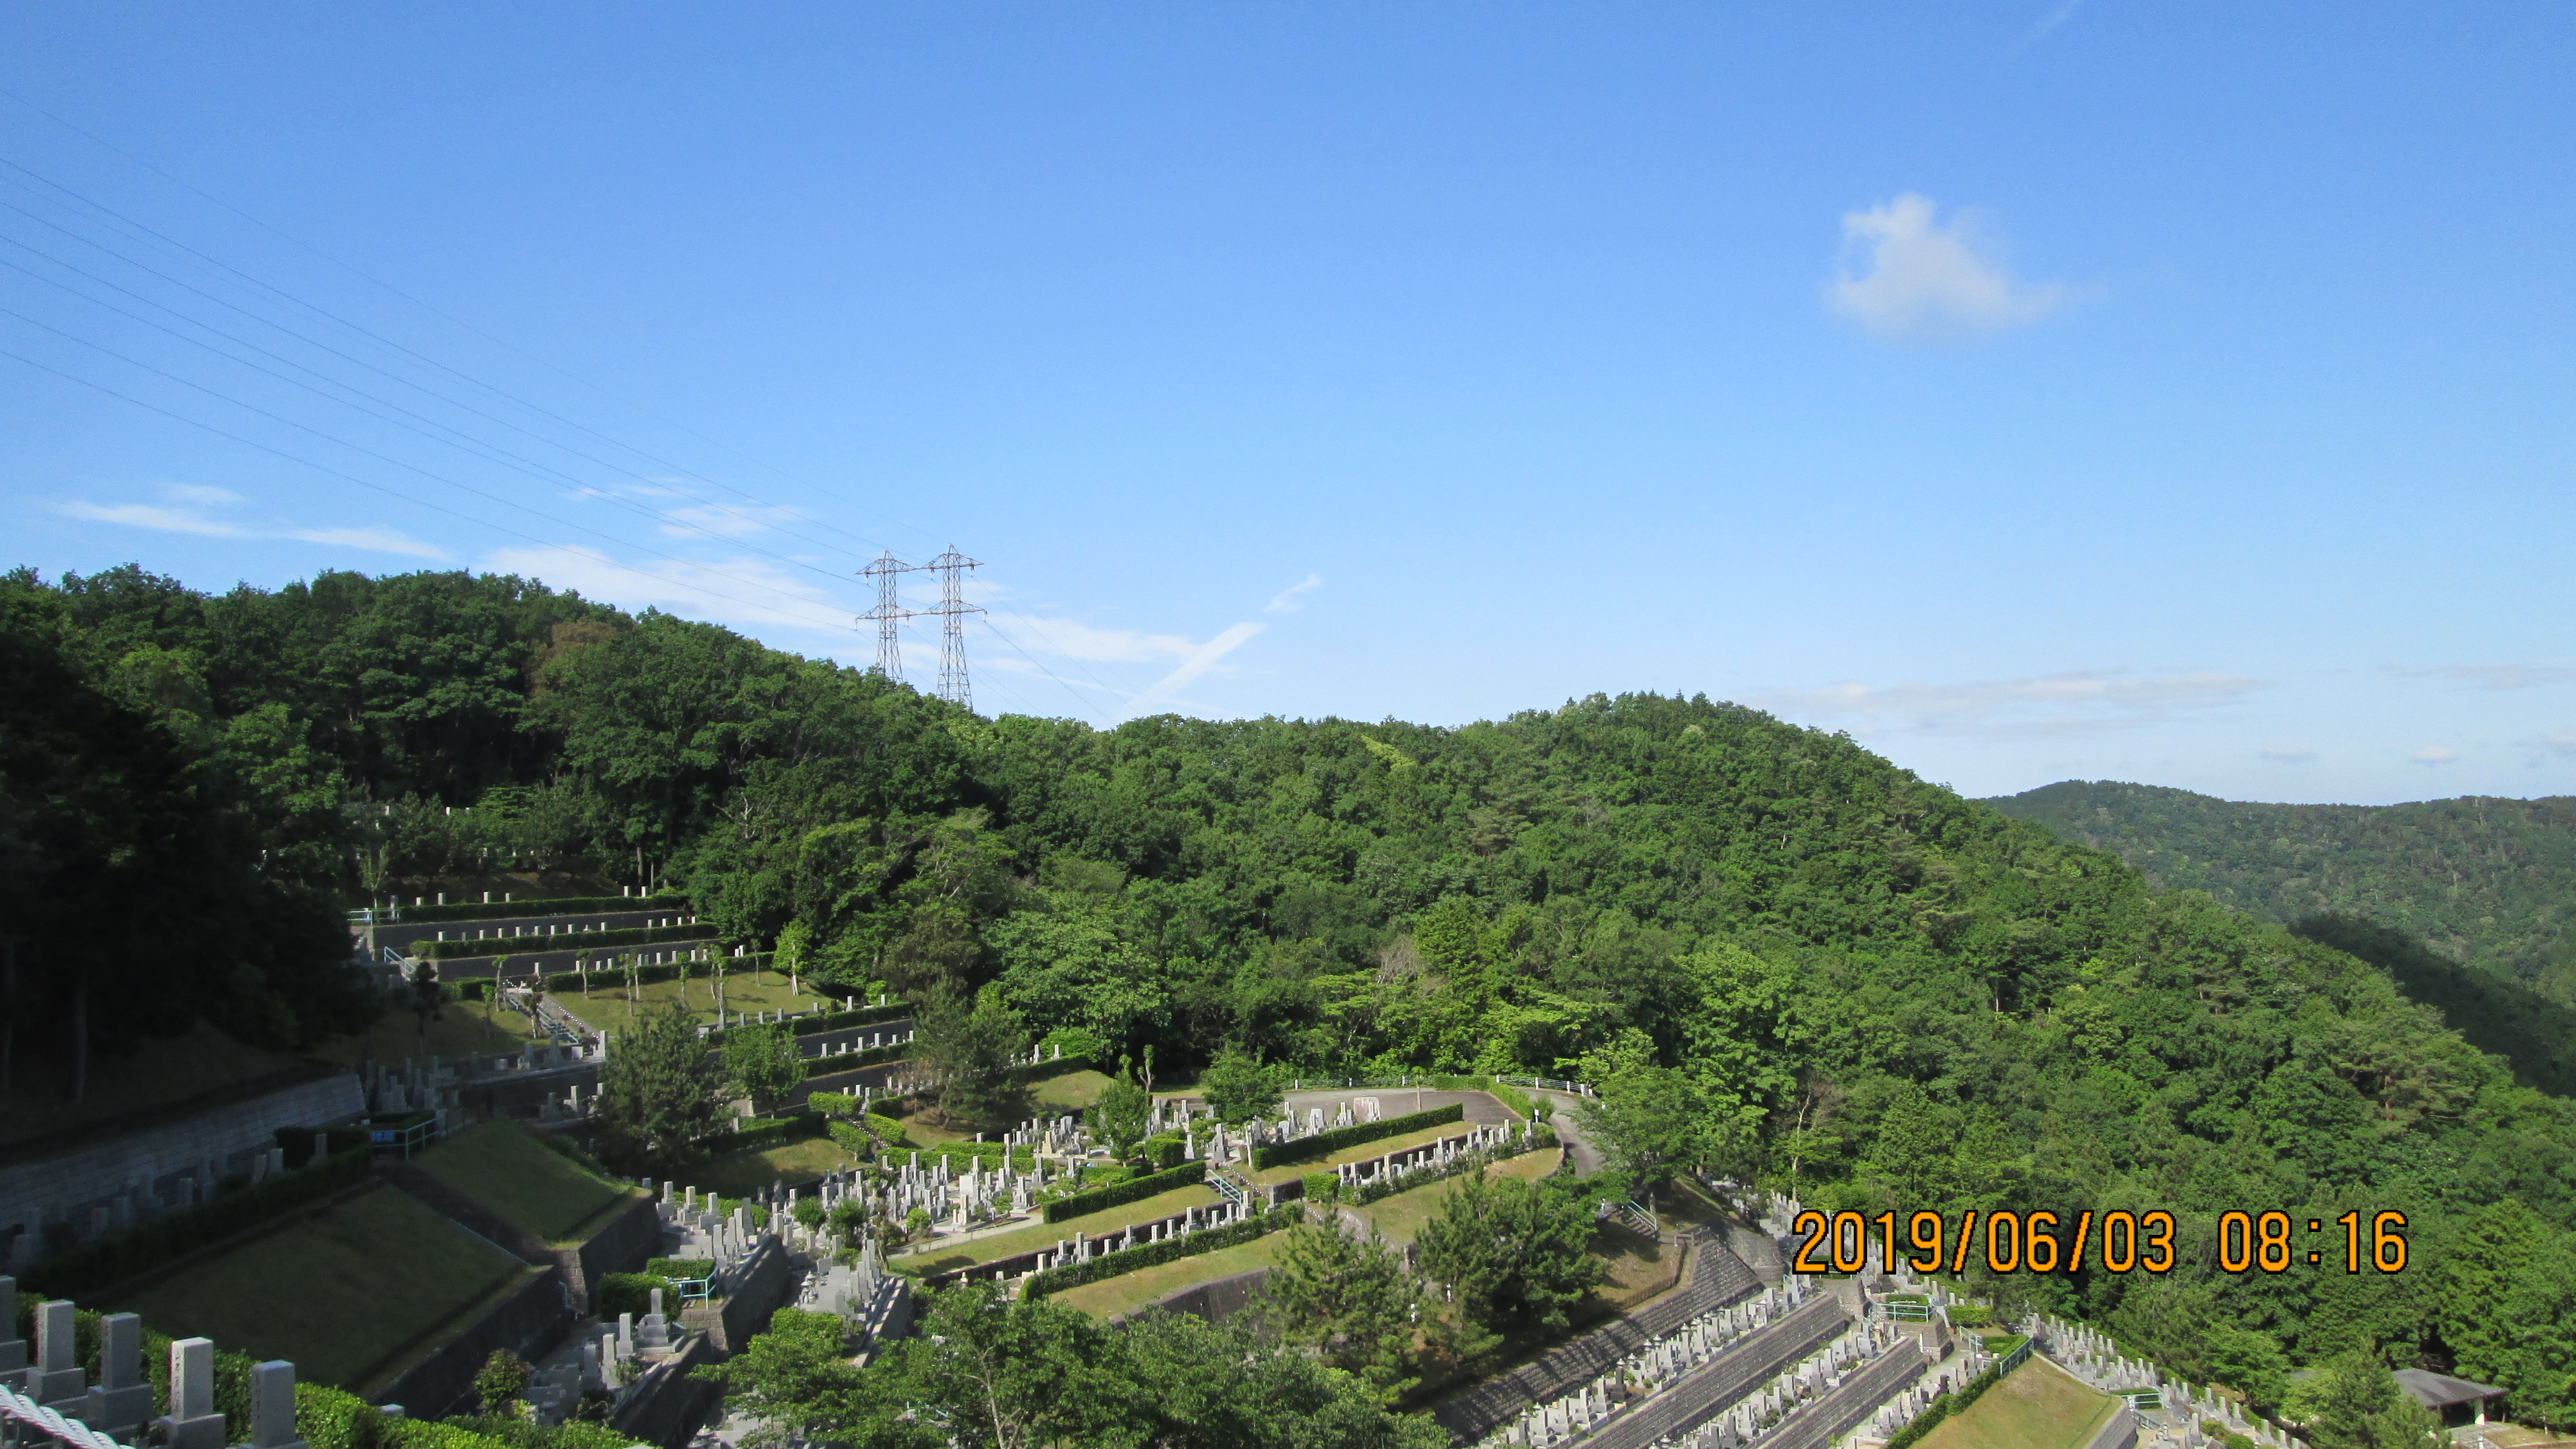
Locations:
(529, 1322)
(669, 1406)
(760, 1288)
(65, 1187)
(1737, 1370)
(622, 1246)
(1845, 1406)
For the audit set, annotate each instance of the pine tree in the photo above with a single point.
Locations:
(657, 1091)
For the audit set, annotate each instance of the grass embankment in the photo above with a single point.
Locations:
(605, 1009)
(1130, 1291)
(1364, 1152)
(2035, 1407)
(171, 1074)
(1070, 1092)
(534, 1187)
(463, 1029)
(347, 1294)
(1399, 1218)
(742, 1174)
(938, 1259)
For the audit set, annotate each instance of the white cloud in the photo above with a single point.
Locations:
(2068, 702)
(1199, 662)
(1925, 281)
(2494, 676)
(723, 520)
(198, 493)
(2054, 19)
(159, 520)
(2562, 743)
(186, 512)
(1292, 598)
(2288, 754)
(381, 540)
(748, 592)
(2434, 755)
(1075, 640)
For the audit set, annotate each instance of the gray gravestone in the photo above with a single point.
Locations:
(192, 1422)
(57, 1381)
(272, 1406)
(123, 1399)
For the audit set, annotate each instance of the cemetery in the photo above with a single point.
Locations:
(451, 1214)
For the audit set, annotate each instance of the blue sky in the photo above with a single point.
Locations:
(2173, 393)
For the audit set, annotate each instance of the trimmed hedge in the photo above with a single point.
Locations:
(633, 1293)
(758, 1133)
(852, 1061)
(1163, 1151)
(1943, 1406)
(148, 1245)
(298, 1142)
(1188, 1174)
(1370, 1192)
(1322, 1144)
(514, 910)
(568, 941)
(1320, 1186)
(325, 1417)
(828, 1021)
(1146, 1255)
(1064, 1066)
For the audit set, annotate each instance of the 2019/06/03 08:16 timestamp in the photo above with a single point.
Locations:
(2115, 1242)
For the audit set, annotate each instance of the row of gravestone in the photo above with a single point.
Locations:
(120, 1404)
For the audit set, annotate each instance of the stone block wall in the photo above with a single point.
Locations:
(64, 1187)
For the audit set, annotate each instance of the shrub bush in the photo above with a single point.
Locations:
(1188, 1174)
(148, 1245)
(1321, 1186)
(632, 1293)
(1146, 1255)
(1163, 1153)
(514, 910)
(572, 941)
(758, 1134)
(1324, 1144)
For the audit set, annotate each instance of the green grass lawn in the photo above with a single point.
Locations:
(169, 1074)
(939, 1259)
(739, 1174)
(606, 1009)
(348, 1294)
(463, 1029)
(505, 1168)
(1399, 1218)
(1365, 1152)
(2035, 1407)
(1070, 1092)
(1130, 1291)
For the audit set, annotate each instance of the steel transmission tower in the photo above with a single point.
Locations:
(888, 613)
(952, 568)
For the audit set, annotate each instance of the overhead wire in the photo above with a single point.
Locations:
(326, 313)
(172, 242)
(987, 622)
(388, 490)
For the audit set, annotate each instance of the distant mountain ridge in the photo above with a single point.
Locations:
(2488, 882)
(2469, 904)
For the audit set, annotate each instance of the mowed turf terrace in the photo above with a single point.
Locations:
(937, 1258)
(2034, 1407)
(349, 1293)
(537, 1189)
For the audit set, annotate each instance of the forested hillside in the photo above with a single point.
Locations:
(1847, 983)
(2490, 883)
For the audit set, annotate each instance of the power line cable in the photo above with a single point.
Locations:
(336, 352)
(432, 362)
(396, 462)
(393, 492)
(472, 446)
(387, 342)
